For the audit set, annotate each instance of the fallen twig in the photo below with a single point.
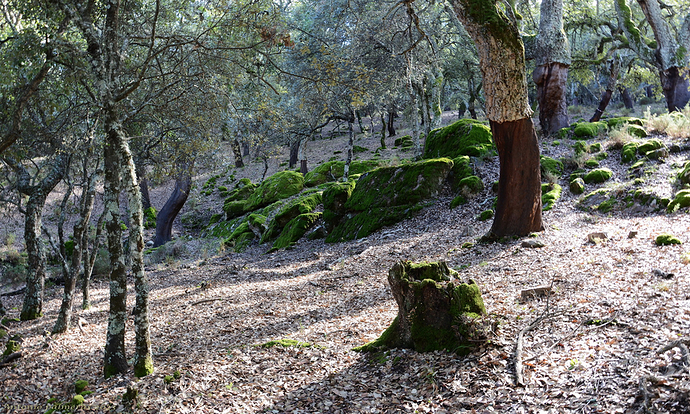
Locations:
(9, 358)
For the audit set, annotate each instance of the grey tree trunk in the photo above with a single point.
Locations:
(32, 307)
(502, 63)
(350, 147)
(172, 207)
(551, 72)
(614, 68)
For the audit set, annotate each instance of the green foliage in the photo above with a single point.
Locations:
(463, 137)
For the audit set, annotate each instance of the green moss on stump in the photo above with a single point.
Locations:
(550, 193)
(667, 239)
(434, 312)
(280, 185)
(597, 176)
(295, 229)
(463, 137)
(551, 166)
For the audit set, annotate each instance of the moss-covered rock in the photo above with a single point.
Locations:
(616, 122)
(550, 193)
(234, 209)
(457, 201)
(243, 189)
(280, 185)
(585, 130)
(485, 215)
(667, 239)
(595, 147)
(463, 137)
(637, 131)
(461, 169)
(257, 224)
(577, 186)
(680, 200)
(11, 347)
(592, 163)
(580, 148)
(300, 205)
(470, 185)
(404, 142)
(563, 133)
(334, 171)
(629, 152)
(597, 176)
(684, 174)
(295, 229)
(241, 237)
(650, 145)
(551, 166)
(434, 312)
(385, 196)
(334, 199)
(80, 386)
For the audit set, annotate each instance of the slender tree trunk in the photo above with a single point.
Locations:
(245, 148)
(115, 359)
(359, 122)
(143, 185)
(383, 127)
(502, 62)
(627, 98)
(392, 114)
(33, 298)
(676, 85)
(302, 155)
(172, 207)
(608, 92)
(90, 256)
(65, 315)
(350, 148)
(294, 151)
(237, 152)
(551, 72)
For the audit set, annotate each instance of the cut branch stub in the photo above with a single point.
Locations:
(434, 311)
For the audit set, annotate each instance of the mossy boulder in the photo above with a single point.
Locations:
(629, 152)
(637, 131)
(461, 169)
(551, 166)
(550, 193)
(598, 176)
(382, 197)
(485, 215)
(464, 137)
(280, 185)
(470, 185)
(592, 163)
(595, 147)
(300, 205)
(592, 200)
(458, 201)
(334, 199)
(684, 174)
(667, 239)
(435, 311)
(234, 209)
(623, 120)
(11, 347)
(577, 186)
(80, 386)
(334, 171)
(295, 229)
(580, 147)
(241, 237)
(404, 142)
(680, 200)
(584, 130)
(243, 189)
(649, 146)
(257, 224)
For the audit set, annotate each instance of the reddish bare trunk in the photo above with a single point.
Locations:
(518, 210)
(551, 82)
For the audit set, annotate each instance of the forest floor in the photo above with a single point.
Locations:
(594, 345)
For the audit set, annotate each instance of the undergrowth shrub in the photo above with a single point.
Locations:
(674, 124)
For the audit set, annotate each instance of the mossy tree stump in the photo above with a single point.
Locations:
(434, 312)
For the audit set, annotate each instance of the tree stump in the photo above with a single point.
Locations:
(435, 311)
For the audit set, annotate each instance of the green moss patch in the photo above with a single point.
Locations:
(280, 185)
(577, 186)
(470, 185)
(667, 239)
(680, 200)
(598, 175)
(334, 171)
(629, 152)
(150, 215)
(485, 215)
(464, 137)
(584, 130)
(461, 169)
(637, 131)
(649, 146)
(684, 174)
(294, 230)
(550, 193)
(382, 197)
(551, 166)
(616, 122)
(286, 343)
(300, 205)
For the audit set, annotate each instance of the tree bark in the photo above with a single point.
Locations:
(392, 114)
(237, 152)
(676, 86)
(294, 150)
(502, 62)
(302, 155)
(518, 208)
(143, 185)
(350, 147)
(608, 92)
(627, 98)
(172, 207)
